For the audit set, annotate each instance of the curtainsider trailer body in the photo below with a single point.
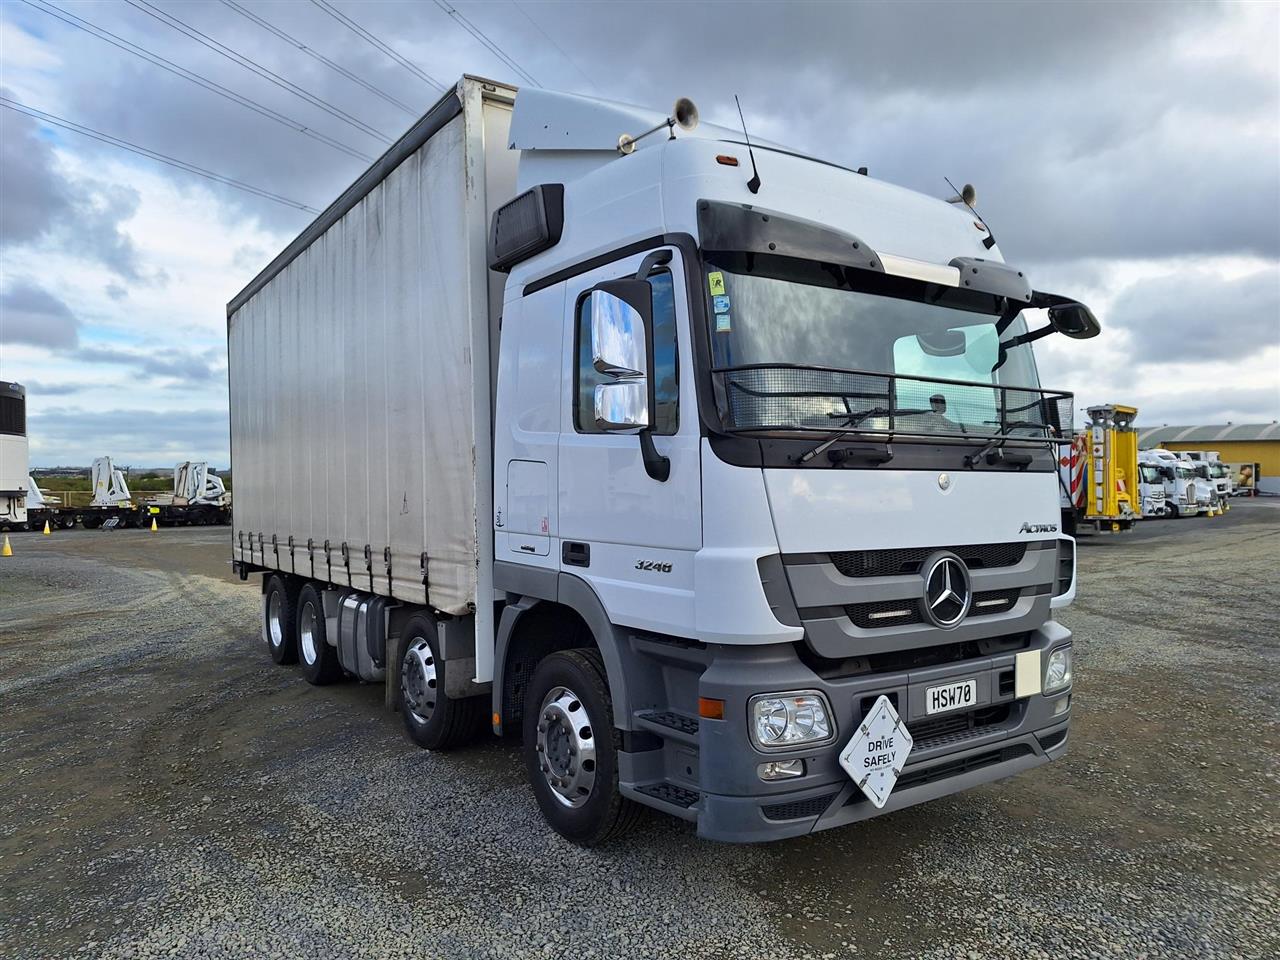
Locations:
(720, 475)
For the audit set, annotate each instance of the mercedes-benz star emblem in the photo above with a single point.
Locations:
(946, 591)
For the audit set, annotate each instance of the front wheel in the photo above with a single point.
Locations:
(571, 751)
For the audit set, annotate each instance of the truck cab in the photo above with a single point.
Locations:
(753, 410)
(1151, 486)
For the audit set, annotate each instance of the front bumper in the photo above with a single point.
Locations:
(1017, 733)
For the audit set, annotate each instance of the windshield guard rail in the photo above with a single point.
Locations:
(791, 398)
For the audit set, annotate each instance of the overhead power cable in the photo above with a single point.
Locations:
(316, 55)
(252, 65)
(489, 45)
(551, 40)
(152, 154)
(156, 60)
(360, 31)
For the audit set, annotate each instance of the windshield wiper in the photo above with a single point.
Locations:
(992, 450)
(937, 404)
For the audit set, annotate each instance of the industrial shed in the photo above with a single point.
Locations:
(1235, 442)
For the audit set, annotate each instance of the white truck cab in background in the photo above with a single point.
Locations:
(722, 477)
(1209, 467)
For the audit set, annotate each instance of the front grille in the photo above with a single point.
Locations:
(957, 727)
(879, 614)
(906, 560)
(797, 809)
(990, 602)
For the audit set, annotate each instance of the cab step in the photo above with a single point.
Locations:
(670, 725)
(670, 793)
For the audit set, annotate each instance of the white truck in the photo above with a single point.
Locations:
(1151, 489)
(718, 474)
(1185, 494)
(1210, 468)
(14, 480)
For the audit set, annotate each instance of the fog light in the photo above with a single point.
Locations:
(790, 719)
(1057, 672)
(781, 769)
(1062, 706)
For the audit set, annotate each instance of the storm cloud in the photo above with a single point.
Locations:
(30, 314)
(1201, 316)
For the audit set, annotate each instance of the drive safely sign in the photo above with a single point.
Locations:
(877, 753)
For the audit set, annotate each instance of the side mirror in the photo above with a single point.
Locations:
(621, 316)
(1074, 320)
(623, 405)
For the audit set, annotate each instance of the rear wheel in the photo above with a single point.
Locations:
(279, 610)
(319, 660)
(571, 749)
(433, 720)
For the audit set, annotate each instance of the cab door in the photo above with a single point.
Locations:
(630, 536)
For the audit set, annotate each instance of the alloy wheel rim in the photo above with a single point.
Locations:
(418, 680)
(307, 633)
(274, 627)
(566, 747)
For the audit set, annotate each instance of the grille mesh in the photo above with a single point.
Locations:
(781, 397)
(797, 809)
(991, 602)
(879, 614)
(889, 563)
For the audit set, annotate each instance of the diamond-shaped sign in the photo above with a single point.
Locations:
(877, 753)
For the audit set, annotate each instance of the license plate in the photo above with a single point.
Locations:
(950, 696)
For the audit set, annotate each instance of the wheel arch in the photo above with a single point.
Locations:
(534, 625)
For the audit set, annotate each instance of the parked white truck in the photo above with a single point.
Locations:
(1209, 467)
(721, 476)
(14, 480)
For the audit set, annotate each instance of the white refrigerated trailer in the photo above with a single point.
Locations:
(704, 468)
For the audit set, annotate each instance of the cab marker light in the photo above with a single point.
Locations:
(710, 709)
(726, 160)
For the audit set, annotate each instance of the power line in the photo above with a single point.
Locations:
(492, 47)
(316, 55)
(551, 40)
(151, 154)
(360, 31)
(250, 64)
(156, 60)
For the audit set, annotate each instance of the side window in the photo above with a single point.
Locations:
(665, 362)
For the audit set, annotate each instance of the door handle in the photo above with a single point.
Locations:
(576, 554)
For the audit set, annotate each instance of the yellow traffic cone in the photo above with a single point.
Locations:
(6, 550)
(154, 528)
(46, 528)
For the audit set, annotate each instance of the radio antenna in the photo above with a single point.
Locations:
(754, 183)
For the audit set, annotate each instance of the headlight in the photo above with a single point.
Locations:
(1057, 673)
(790, 719)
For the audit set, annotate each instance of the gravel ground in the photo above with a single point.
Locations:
(168, 792)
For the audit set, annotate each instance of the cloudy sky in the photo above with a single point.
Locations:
(1126, 153)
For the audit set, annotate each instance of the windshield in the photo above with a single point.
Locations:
(1185, 472)
(1217, 470)
(781, 311)
(1149, 473)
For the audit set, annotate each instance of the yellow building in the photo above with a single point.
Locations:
(1236, 443)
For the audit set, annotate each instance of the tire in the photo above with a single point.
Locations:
(568, 724)
(318, 659)
(433, 720)
(66, 522)
(279, 618)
